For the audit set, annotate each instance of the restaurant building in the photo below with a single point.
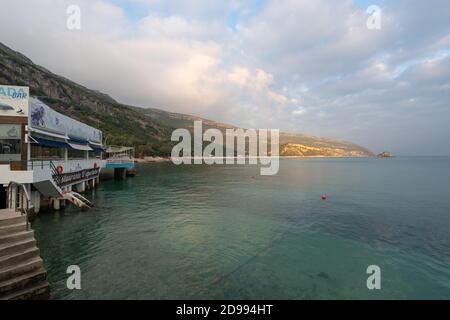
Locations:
(46, 158)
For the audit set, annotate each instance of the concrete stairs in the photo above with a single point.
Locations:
(22, 272)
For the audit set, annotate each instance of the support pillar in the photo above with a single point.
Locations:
(13, 198)
(120, 173)
(56, 204)
(80, 187)
(36, 201)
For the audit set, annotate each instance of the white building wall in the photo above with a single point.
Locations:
(40, 170)
(6, 175)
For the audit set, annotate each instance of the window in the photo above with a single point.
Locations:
(76, 154)
(95, 154)
(10, 142)
(39, 152)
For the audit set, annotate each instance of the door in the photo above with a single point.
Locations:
(3, 197)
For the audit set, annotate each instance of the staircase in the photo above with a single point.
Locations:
(22, 273)
(78, 200)
(72, 196)
(55, 174)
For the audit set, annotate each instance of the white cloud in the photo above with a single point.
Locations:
(299, 112)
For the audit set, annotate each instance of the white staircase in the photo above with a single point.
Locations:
(72, 196)
(50, 188)
(78, 200)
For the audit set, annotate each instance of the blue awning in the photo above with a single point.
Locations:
(51, 143)
(78, 140)
(80, 147)
(79, 144)
(97, 147)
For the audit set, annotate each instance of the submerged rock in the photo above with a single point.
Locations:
(323, 275)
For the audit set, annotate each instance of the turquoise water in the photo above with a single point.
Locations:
(225, 232)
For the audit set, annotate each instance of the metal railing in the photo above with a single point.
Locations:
(24, 165)
(55, 174)
(120, 159)
(39, 164)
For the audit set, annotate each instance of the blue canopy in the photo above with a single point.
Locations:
(78, 140)
(51, 143)
(97, 147)
(66, 144)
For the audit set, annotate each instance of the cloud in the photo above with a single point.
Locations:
(306, 66)
(179, 28)
(299, 112)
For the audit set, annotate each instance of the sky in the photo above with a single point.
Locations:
(304, 66)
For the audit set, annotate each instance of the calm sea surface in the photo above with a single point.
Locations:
(225, 232)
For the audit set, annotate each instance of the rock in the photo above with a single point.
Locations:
(385, 154)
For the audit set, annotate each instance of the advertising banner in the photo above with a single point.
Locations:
(68, 178)
(43, 117)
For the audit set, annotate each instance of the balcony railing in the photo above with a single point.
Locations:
(120, 161)
(25, 165)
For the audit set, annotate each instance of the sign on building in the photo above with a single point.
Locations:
(14, 100)
(45, 118)
(72, 177)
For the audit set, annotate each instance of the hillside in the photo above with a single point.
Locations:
(147, 129)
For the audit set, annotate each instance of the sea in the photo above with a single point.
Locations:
(313, 231)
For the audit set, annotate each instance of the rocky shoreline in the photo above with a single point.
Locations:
(152, 159)
(167, 159)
